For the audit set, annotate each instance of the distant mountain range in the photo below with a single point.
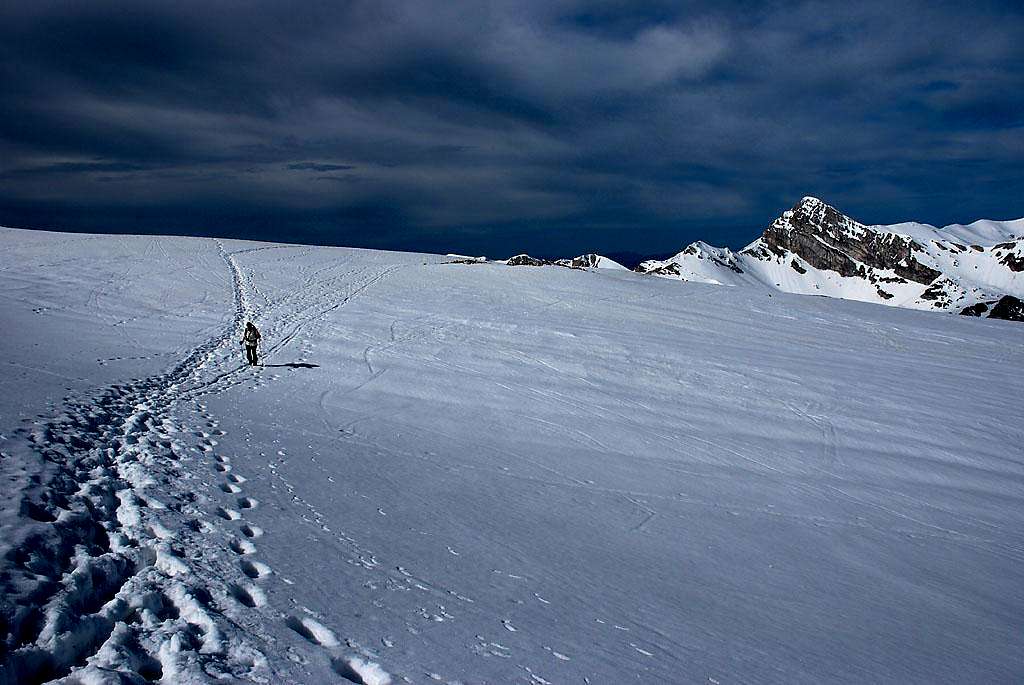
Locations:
(585, 261)
(814, 249)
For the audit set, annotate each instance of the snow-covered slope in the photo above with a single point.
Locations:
(480, 474)
(591, 261)
(815, 250)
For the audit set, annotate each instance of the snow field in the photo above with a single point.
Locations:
(476, 473)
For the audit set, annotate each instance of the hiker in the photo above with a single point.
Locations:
(251, 338)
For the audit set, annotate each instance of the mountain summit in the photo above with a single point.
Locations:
(815, 249)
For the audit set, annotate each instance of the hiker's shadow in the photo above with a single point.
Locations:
(293, 365)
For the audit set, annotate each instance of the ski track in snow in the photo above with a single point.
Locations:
(125, 582)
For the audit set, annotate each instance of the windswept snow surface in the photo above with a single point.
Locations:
(484, 474)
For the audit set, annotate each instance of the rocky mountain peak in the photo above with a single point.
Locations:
(813, 216)
(814, 249)
(809, 205)
(827, 239)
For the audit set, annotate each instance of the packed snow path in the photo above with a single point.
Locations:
(477, 473)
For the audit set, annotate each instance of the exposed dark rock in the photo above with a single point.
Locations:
(760, 251)
(1008, 307)
(977, 248)
(1013, 261)
(940, 293)
(699, 252)
(884, 295)
(727, 264)
(934, 291)
(974, 310)
(584, 261)
(527, 260)
(829, 240)
(670, 269)
(797, 268)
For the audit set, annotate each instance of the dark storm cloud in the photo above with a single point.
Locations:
(495, 127)
(76, 168)
(315, 166)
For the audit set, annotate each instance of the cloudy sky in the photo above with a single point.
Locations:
(549, 126)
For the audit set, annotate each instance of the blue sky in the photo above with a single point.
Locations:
(498, 127)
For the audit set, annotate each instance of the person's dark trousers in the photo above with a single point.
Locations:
(250, 353)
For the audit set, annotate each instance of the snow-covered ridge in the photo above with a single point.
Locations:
(982, 232)
(815, 249)
(584, 261)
